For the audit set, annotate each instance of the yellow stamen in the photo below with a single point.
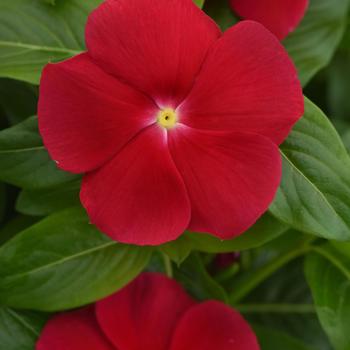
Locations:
(167, 118)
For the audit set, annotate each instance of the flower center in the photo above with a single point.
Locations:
(167, 118)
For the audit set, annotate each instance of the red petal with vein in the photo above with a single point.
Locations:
(231, 178)
(281, 17)
(144, 314)
(86, 116)
(139, 196)
(247, 83)
(76, 330)
(213, 325)
(157, 46)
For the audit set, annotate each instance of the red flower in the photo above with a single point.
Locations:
(279, 16)
(151, 313)
(175, 125)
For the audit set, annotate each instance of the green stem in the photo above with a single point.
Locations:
(167, 265)
(227, 273)
(264, 272)
(276, 308)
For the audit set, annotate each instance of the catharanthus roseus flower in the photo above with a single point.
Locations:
(151, 313)
(280, 16)
(174, 124)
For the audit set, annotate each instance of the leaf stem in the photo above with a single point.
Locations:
(243, 289)
(167, 265)
(227, 273)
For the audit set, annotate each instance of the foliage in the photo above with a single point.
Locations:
(292, 277)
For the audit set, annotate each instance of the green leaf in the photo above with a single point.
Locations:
(199, 3)
(33, 33)
(13, 91)
(51, 2)
(328, 274)
(339, 86)
(49, 200)
(220, 11)
(24, 160)
(266, 229)
(2, 201)
(283, 302)
(196, 279)
(344, 45)
(177, 250)
(346, 138)
(258, 264)
(343, 128)
(19, 330)
(314, 42)
(314, 195)
(14, 226)
(270, 339)
(64, 262)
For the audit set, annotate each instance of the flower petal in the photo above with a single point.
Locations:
(213, 325)
(139, 196)
(231, 178)
(76, 330)
(280, 17)
(253, 86)
(86, 116)
(144, 314)
(157, 46)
